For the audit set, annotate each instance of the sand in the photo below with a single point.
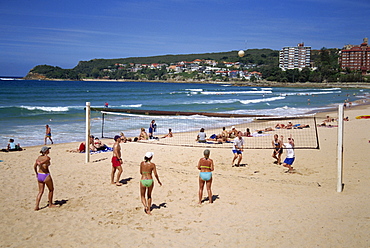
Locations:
(254, 206)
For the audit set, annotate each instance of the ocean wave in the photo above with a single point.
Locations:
(226, 101)
(310, 93)
(270, 99)
(196, 90)
(330, 89)
(46, 109)
(235, 92)
(132, 105)
(280, 111)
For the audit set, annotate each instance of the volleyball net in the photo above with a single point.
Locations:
(186, 126)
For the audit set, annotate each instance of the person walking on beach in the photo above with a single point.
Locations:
(278, 149)
(152, 129)
(43, 177)
(206, 166)
(116, 161)
(288, 162)
(146, 182)
(48, 134)
(238, 147)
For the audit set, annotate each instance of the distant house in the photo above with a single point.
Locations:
(233, 74)
(197, 61)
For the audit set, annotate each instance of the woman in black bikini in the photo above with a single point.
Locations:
(278, 149)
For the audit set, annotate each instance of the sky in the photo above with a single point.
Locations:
(62, 33)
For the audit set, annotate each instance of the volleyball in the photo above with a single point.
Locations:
(241, 53)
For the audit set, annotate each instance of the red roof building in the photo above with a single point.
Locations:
(356, 57)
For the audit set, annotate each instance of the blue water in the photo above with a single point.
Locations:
(26, 106)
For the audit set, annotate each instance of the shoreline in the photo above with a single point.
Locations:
(250, 84)
(236, 83)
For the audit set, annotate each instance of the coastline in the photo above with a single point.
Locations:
(251, 84)
(262, 83)
(254, 206)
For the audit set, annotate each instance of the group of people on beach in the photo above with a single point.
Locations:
(148, 168)
(236, 138)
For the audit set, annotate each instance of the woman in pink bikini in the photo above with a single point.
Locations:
(43, 176)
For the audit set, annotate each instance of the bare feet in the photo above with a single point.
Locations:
(37, 208)
(118, 184)
(147, 210)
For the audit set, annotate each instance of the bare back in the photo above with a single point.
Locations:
(43, 163)
(205, 165)
(146, 169)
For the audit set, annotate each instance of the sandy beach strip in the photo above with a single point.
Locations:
(254, 206)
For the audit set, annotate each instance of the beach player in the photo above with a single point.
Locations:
(288, 162)
(48, 134)
(146, 182)
(116, 160)
(238, 147)
(278, 149)
(206, 166)
(43, 177)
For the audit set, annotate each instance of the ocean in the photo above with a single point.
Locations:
(26, 106)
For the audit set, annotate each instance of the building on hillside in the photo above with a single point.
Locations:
(297, 57)
(356, 58)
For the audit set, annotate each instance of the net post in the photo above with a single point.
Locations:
(340, 148)
(87, 137)
(102, 126)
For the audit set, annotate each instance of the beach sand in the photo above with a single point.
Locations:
(254, 206)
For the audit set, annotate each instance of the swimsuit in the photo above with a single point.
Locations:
(48, 135)
(115, 162)
(205, 175)
(147, 182)
(278, 149)
(41, 177)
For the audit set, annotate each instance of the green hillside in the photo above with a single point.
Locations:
(324, 62)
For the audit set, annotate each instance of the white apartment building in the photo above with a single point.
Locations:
(295, 57)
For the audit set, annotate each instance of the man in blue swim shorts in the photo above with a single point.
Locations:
(288, 162)
(48, 134)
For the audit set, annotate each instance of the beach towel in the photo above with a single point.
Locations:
(108, 149)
